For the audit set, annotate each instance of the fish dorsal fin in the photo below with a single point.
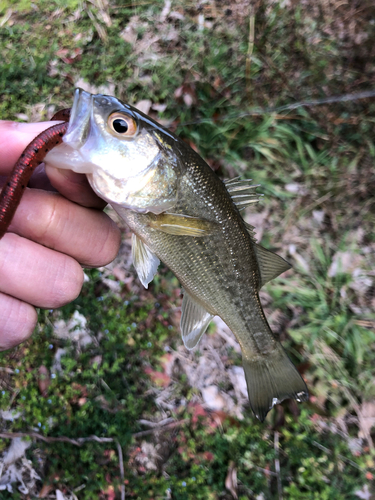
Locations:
(194, 321)
(251, 230)
(242, 192)
(145, 262)
(270, 264)
(180, 224)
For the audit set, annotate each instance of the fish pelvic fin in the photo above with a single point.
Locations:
(270, 379)
(145, 262)
(270, 264)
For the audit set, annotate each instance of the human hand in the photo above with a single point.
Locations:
(52, 234)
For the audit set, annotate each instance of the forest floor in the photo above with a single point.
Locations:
(111, 401)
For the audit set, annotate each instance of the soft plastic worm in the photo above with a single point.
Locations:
(31, 157)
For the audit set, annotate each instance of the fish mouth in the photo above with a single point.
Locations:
(79, 123)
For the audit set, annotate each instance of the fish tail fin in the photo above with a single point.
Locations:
(270, 379)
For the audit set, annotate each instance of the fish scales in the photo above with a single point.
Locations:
(221, 269)
(182, 214)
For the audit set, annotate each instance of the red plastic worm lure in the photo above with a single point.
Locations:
(31, 157)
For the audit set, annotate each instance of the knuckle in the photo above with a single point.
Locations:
(7, 249)
(110, 244)
(57, 216)
(49, 219)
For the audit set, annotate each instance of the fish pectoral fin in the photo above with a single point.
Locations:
(270, 379)
(270, 264)
(145, 262)
(194, 321)
(181, 225)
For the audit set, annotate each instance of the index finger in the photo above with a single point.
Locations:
(15, 136)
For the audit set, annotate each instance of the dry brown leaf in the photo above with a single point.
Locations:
(364, 493)
(144, 106)
(46, 489)
(213, 398)
(345, 262)
(231, 479)
(44, 380)
(366, 419)
(158, 378)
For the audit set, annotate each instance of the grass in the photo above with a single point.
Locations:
(315, 165)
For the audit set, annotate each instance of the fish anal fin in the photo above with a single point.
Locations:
(194, 321)
(270, 264)
(271, 379)
(181, 225)
(145, 262)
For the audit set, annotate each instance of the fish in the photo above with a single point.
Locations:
(181, 213)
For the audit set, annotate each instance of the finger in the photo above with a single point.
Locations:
(86, 234)
(74, 186)
(39, 179)
(17, 321)
(37, 275)
(15, 136)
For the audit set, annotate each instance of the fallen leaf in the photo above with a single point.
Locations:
(364, 493)
(197, 411)
(167, 362)
(158, 378)
(208, 456)
(345, 262)
(44, 380)
(366, 419)
(46, 489)
(212, 397)
(109, 493)
(231, 479)
(144, 106)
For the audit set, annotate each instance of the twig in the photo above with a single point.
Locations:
(341, 457)
(121, 465)
(316, 203)
(249, 53)
(80, 441)
(161, 428)
(277, 466)
(75, 442)
(261, 469)
(6, 370)
(50, 439)
(163, 422)
(302, 104)
(326, 100)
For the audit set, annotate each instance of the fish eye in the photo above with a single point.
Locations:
(122, 124)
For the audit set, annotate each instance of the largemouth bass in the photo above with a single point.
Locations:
(181, 213)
